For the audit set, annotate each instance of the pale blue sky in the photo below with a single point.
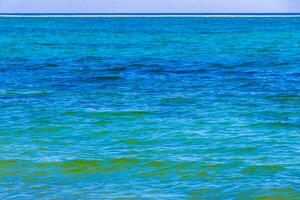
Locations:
(150, 6)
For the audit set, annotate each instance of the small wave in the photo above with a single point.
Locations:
(49, 129)
(101, 79)
(139, 142)
(115, 114)
(295, 98)
(245, 150)
(274, 124)
(176, 99)
(124, 160)
(106, 78)
(27, 93)
(263, 169)
(203, 191)
(192, 71)
(7, 162)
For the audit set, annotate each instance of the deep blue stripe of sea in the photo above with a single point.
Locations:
(150, 108)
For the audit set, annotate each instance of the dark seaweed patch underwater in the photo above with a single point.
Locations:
(150, 108)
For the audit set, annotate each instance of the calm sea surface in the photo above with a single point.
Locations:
(150, 108)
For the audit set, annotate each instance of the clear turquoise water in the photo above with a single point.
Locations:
(141, 108)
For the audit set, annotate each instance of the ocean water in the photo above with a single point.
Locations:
(150, 108)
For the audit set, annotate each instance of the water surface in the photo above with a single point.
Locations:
(149, 108)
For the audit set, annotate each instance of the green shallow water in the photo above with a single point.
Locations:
(140, 108)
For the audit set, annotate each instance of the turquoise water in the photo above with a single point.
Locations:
(150, 108)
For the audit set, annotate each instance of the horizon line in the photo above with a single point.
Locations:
(149, 15)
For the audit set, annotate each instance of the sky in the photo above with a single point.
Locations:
(148, 6)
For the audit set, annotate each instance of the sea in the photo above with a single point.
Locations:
(150, 107)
